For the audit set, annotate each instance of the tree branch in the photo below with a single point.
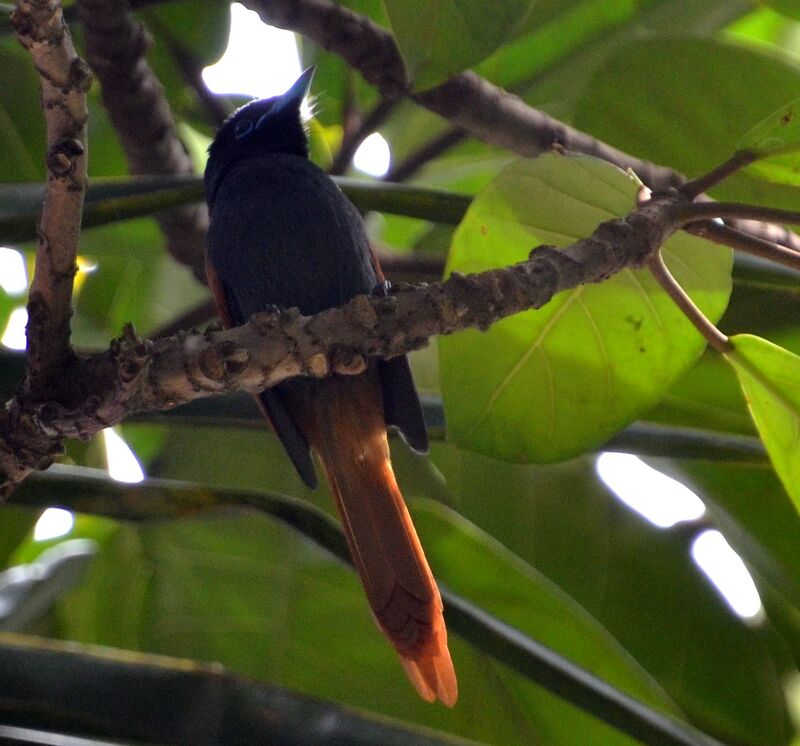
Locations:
(426, 153)
(736, 239)
(116, 45)
(688, 212)
(466, 100)
(737, 161)
(64, 81)
(133, 375)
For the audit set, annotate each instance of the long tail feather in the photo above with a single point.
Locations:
(349, 434)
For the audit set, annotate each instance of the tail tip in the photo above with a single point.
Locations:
(433, 677)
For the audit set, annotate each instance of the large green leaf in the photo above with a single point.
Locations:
(250, 593)
(770, 379)
(561, 521)
(789, 7)
(757, 517)
(548, 384)
(693, 114)
(441, 37)
(638, 581)
(22, 129)
(777, 140)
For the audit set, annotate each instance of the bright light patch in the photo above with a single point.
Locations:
(13, 275)
(662, 500)
(260, 60)
(121, 460)
(373, 156)
(14, 335)
(87, 265)
(725, 569)
(54, 522)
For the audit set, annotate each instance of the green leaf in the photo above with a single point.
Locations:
(441, 37)
(770, 380)
(638, 581)
(777, 139)
(22, 128)
(777, 133)
(693, 114)
(788, 7)
(548, 384)
(249, 592)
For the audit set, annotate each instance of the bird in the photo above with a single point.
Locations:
(283, 235)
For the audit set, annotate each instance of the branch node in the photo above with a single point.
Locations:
(79, 78)
(347, 361)
(361, 310)
(234, 358)
(317, 366)
(62, 157)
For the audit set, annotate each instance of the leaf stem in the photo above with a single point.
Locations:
(738, 160)
(712, 335)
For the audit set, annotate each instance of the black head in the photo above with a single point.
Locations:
(264, 126)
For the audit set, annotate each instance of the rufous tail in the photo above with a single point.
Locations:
(349, 435)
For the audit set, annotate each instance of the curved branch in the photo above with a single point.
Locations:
(64, 81)
(116, 45)
(466, 100)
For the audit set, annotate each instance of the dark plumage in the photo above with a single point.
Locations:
(283, 234)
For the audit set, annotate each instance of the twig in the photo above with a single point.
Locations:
(691, 211)
(64, 80)
(115, 49)
(215, 110)
(736, 239)
(710, 332)
(429, 150)
(134, 375)
(737, 161)
(369, 124)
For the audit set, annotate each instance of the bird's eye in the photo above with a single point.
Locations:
(242, 127)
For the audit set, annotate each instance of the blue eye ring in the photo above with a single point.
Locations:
(242, 128)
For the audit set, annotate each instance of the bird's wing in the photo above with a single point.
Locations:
(269, 400)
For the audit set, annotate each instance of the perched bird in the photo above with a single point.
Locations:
(283, 235)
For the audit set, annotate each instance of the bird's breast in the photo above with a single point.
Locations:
(283, 234)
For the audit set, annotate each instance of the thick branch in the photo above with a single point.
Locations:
(472, 104)
(466, 100)
(136, 375)
(116, 45)
(64, 80)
